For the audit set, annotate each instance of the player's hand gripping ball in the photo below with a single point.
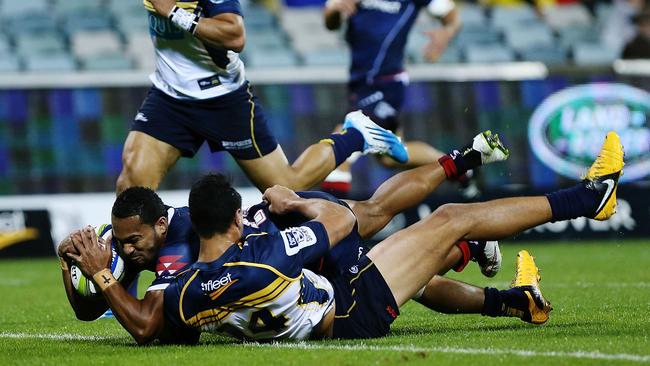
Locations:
(85, 286)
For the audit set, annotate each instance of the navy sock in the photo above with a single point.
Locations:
(458, 162)
(345, 143)
(573, 202)
(497, 301)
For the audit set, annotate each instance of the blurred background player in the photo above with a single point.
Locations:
(377, 32)
(639, 46)
(200, 93)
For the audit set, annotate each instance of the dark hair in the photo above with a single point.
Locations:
(213, 205)
(140, 201)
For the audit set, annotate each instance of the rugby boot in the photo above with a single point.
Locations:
(527, 281)
(487, 256)
(490, 147)
(377, 140)
(603, 176)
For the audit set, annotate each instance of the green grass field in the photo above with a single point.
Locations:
(600, 292)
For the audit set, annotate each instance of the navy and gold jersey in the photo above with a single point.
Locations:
(186, 67)
(180, 250)
(377, 34)
(345, 254)
(258, 289)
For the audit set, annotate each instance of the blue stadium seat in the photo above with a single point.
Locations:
(271, 58)
(39, 43)
(594, 54)
(36, 22)
(327, 57)
(550, 55)
(571, 36)
(477, 34)
(531, 36)
(509, 16)
(452, 55)
(107, 62)
(488, 54)
(53, 62)
(12, 9)
(472, 14)
(9, 62)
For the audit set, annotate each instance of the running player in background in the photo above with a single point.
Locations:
(377, 32)
(200, 94)
(258, 288)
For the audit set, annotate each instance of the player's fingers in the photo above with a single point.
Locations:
(74, 257)
(77, 243)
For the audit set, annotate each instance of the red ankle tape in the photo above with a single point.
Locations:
(464, 248)
(449, 166)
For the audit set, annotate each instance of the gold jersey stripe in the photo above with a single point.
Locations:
(180, 302)
(265, 266)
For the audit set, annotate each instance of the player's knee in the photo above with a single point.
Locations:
(446, 212)
(133, 175)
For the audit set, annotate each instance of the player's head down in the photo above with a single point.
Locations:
(139, 219)
(214, 205)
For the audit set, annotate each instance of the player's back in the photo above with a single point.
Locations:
(257, 289)
(377, 34)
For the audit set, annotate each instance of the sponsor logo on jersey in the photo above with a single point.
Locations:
(170, 264)
(567, 130)
(141, 117)
(209, 82)
(391, 7)
(237, 145)
(297, 238)
(214, 285)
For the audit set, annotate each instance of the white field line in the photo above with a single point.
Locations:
(366, 347)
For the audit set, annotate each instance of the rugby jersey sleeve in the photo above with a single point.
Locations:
(215, 7)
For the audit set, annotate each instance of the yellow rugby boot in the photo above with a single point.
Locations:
(527, 280)
(603, 175)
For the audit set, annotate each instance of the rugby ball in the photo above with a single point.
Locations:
(85, 286)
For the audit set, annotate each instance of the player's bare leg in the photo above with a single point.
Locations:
(359, 134)
(311, 167)
(420, 153)
(410, 258)
(411, 187)
(145, 161)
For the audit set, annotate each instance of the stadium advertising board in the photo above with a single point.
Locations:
(25, 233)
(567, 128)
(632, 218)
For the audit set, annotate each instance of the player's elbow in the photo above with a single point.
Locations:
(143, 336)
(236, 43)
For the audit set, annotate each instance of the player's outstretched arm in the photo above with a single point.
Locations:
(143, 319)
(439, 38)
(337, 219)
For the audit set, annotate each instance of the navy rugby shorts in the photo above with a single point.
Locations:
(233, 122)
(382, 101)
(365, 306)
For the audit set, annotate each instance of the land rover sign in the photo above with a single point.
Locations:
(567, 130)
